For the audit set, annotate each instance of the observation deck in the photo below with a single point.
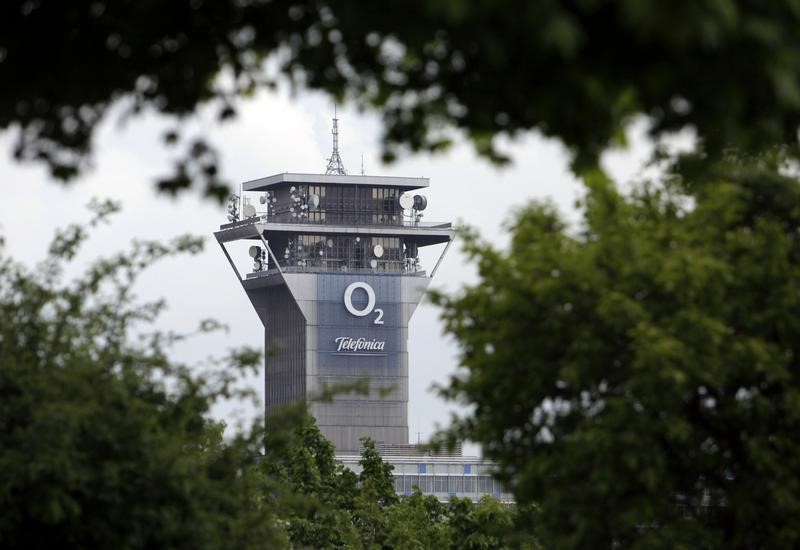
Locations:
(317, 223)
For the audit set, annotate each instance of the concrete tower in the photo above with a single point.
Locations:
(336, 278)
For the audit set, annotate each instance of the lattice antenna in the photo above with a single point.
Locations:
(335, 165)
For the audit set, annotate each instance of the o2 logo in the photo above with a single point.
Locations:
(369, 308)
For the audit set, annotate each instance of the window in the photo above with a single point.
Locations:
(426, 484)
(440, 484)
(422, 468)
(410, 481)
(467, 469)
(469, 484)
(455, 484)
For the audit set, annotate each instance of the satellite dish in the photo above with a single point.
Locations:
(406, 201)
(373, 264)
(262, 199)
(330, 243)
(377, 250)
(255, 251)
(313, 201)
(257, 266)
(358, 239)
(420, 202)
(249, 210)
(292, 189)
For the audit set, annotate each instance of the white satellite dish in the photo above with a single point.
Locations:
(249, 210)
(330, 243)
(373, 264)
(420, 202)
(313, 201)
(255, 251)
(262, 199)
(378, 251)
(358, 239)
(406, 201)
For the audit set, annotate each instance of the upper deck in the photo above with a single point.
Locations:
(333, 222)
(277, 180)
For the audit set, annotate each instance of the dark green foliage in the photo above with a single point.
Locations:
(638, 376)
(315, 493)
(375, 478)
(577, 71)
(104, 441)
(326, 506)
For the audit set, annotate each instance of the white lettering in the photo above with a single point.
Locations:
(348, 299)
(348, 343)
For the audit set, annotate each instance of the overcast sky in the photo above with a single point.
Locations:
(279, 133)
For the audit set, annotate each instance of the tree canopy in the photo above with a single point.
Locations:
(637, 375)
(576, 71)
(105, 440)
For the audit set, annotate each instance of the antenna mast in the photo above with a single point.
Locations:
(335, 165)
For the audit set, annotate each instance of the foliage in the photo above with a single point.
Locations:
(104, 440)
(637, 376)
(315, 492)
(325, 505)
(577, 71)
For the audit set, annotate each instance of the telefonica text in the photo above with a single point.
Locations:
(347, 343)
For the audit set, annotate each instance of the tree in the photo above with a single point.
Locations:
(637, 375)
(576, 71)
(104, 440)
(315, 493)
(418, 521)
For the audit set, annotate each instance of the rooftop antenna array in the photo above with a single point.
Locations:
(335, 165)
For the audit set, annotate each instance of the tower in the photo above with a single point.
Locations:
(336, 278)
(335, 165)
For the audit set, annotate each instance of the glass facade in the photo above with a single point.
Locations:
(454, 485)
(338, 204)
(346, 253)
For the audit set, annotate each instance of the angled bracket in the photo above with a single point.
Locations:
(439, 261)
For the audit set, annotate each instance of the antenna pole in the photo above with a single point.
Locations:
(335, 165)
(362, 164)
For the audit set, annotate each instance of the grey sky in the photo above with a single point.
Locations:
(277, 133)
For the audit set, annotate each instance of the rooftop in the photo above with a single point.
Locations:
(263, 184)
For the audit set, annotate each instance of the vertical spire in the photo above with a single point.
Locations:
(335, 165)
(362, 164)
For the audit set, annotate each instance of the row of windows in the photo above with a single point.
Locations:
(344, 252)
(336, 204)
(448, 484)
